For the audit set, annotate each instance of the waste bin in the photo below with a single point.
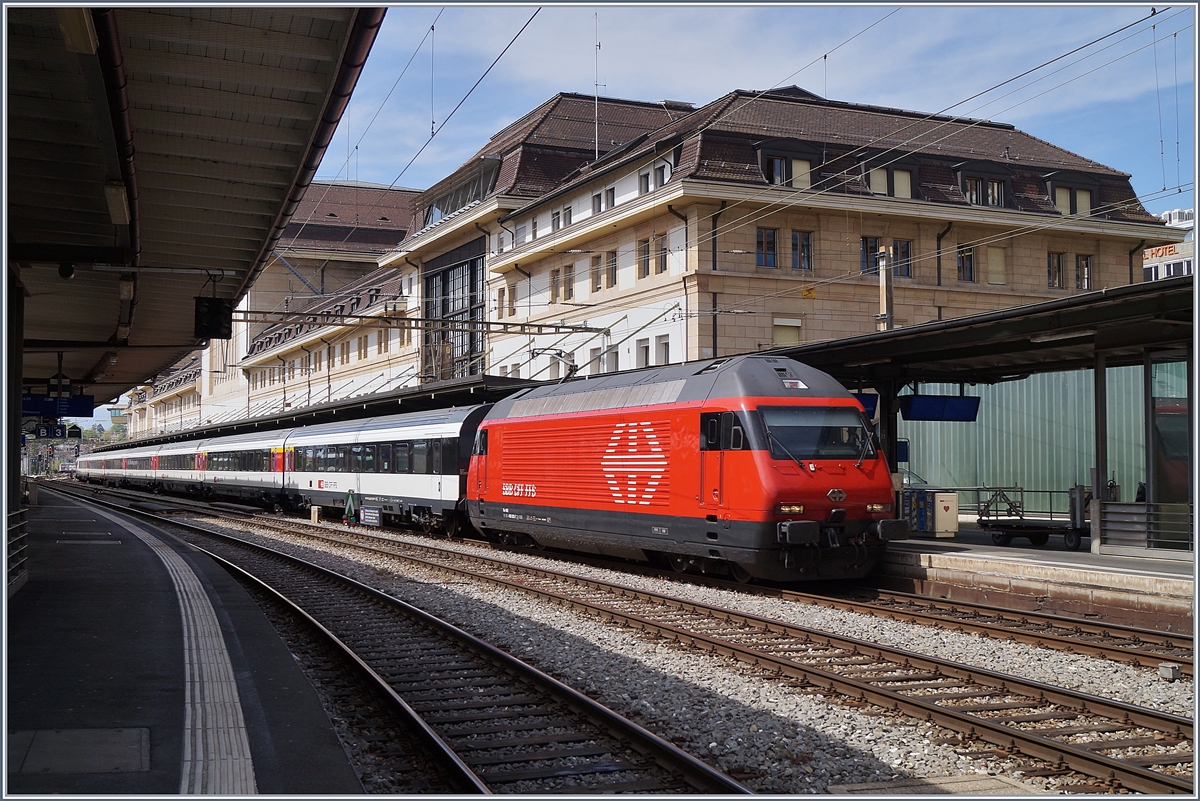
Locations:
(945, 514)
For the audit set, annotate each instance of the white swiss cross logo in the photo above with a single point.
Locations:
(633, 463)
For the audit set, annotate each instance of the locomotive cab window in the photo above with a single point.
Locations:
(722, 431)
(817, 432)
(481, 444)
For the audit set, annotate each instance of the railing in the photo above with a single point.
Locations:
(17, 550)
(1052, 506)
(1167, 526)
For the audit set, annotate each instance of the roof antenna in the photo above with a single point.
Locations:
(596, 18)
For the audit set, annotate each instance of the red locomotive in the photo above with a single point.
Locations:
(754, 466)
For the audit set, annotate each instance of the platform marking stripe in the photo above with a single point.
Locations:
(216, 748)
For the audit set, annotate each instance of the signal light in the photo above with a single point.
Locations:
(213, 319)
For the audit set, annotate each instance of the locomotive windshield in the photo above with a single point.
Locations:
(816, 432)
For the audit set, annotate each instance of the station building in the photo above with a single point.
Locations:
(594, 235)
(758, 220)
(336, 236)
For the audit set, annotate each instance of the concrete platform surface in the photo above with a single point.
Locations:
(137, 666)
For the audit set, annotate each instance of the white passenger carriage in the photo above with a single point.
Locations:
(412, 467)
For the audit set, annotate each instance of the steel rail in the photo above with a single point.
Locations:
(1130, 776)
(1120, 650)
(667, 755)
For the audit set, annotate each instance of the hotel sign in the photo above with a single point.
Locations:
(1160, 252)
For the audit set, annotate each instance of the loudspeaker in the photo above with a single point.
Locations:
(214, 318)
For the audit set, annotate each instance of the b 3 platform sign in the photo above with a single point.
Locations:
(369, 515)
(51, 432)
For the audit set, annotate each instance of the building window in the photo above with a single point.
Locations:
(344, 355)
(1083, 202)
(512, 300)
(519, 239)
(966, 264)
(642, 349)
(499, 243)
(362, 347)
(329, 357)
(902, 183)
(878, 178)
(643, 249)
(902, 251)
(554, 376)
(765, 247)
(1062, 200)
(662, 256)
(973, 189)
(995, 266)
(660, 176)
(1083, 272)
(995, 196)
(643, 183)
(612, 359)
(801, 174)
(569, 282)
(385, 340)
(555, 221)
(610, 197)
(533, 228)
(662, 346)
(801, 250)
(597, 205)
(566, 215)
(869, 255)
(777, 171)
(611, 272)
(500, 303)
(597, 280)
(554, 282)
(514, 371)
(597, 366)
(1054, 270)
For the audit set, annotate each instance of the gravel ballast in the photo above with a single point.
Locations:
(757, 727)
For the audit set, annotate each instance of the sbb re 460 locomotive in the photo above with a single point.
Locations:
(754, 466)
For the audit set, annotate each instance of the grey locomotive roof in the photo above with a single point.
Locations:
(757, 375)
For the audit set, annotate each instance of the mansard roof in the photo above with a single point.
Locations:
(350, 216)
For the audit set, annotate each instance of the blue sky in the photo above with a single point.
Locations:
(1100, 103)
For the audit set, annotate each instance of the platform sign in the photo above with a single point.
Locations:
(369, 515)
(51, 432)
(47, 406)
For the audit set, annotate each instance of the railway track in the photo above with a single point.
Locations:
(1120, 745)
(499, 725)
(1140, 647)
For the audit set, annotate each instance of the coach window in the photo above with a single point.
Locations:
(450, 456)
(400, 457)
(384, 465)
(368, 459)
(435, 457)
(420, 457)
(343, 464)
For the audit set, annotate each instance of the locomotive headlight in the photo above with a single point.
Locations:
(789, 509)
(879, 507)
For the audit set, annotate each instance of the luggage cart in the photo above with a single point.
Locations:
(1007, 515)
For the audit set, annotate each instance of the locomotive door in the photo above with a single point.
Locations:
(712, 462)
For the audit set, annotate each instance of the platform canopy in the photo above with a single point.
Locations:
(155, 154)
(1053, 336)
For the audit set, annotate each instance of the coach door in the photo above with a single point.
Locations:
(712, 462)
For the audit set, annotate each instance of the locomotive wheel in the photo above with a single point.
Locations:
(1001, 539)
(679, 562)
(739, 573)
(1039, 539)
(1073, 539)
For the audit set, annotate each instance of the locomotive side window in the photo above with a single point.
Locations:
(722, 431)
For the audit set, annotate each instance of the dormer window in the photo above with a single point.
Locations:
(1071, 200)
(893, 181)
(984, 191)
